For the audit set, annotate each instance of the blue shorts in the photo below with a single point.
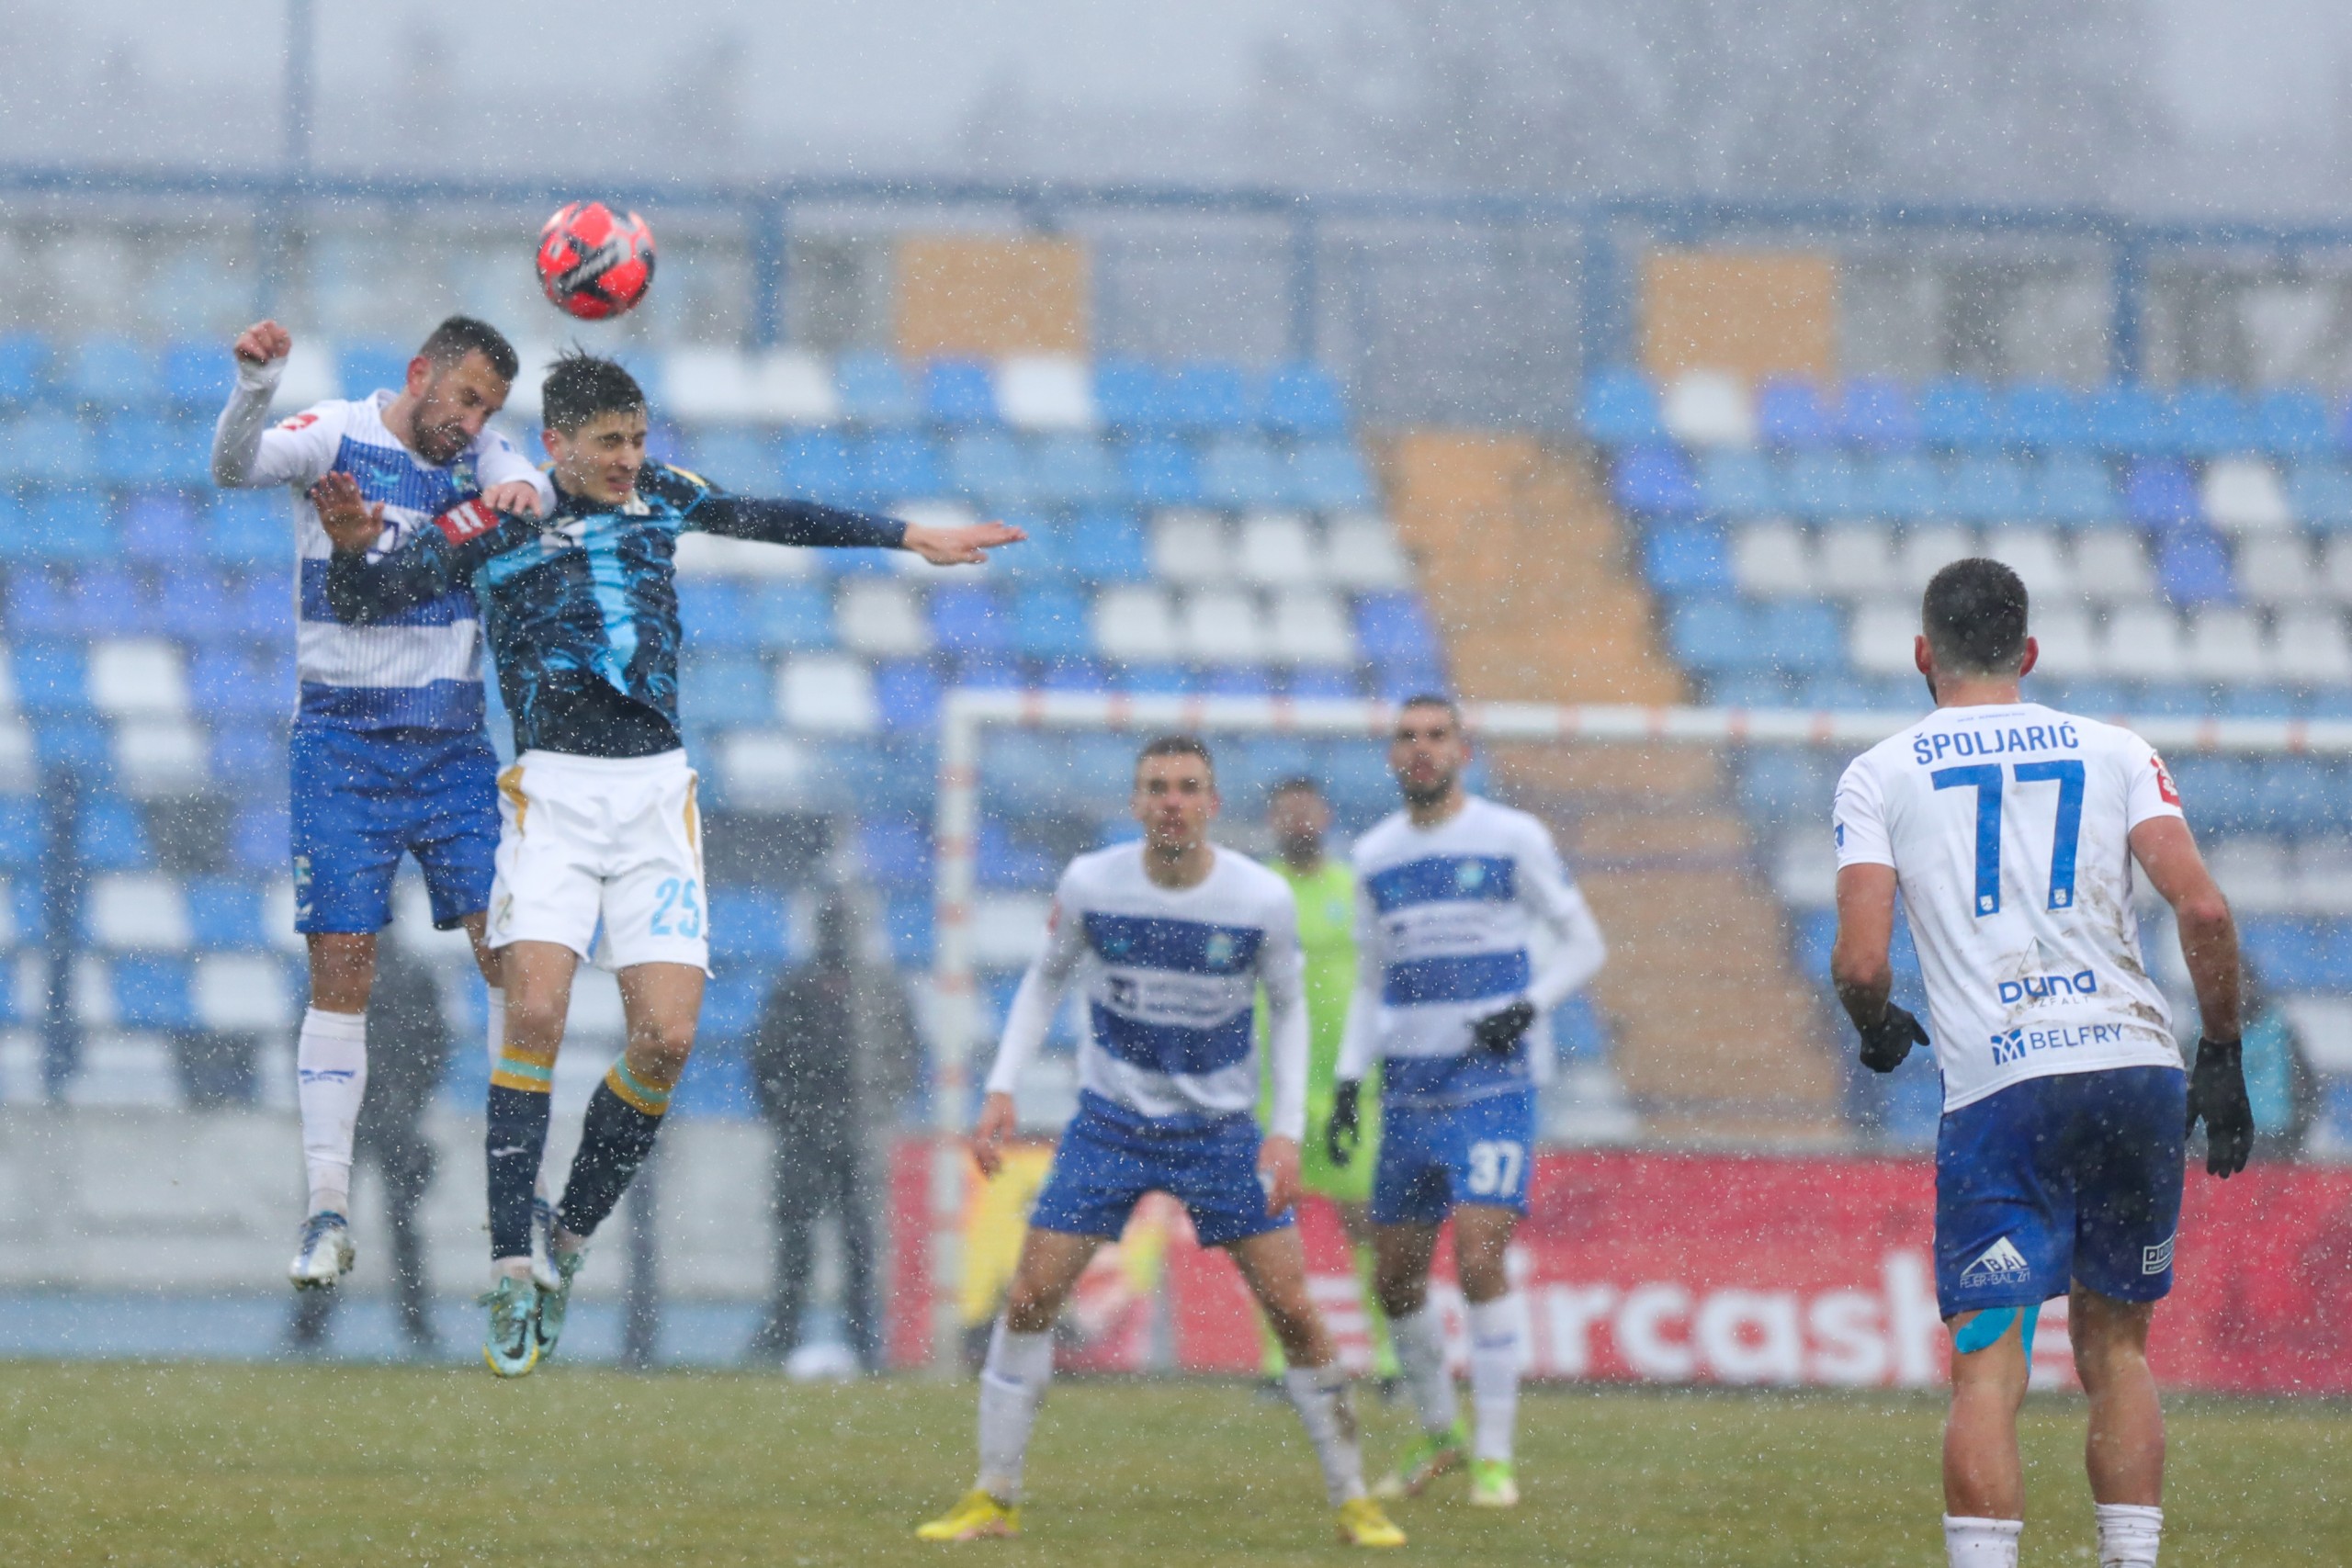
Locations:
(2072, 1178)
(1433, 1158)
(362, 799)
(1109, 1159)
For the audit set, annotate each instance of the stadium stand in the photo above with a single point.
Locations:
(2189, 551)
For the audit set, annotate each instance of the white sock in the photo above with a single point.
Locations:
(330, 1074)
(1011, 1382)
(1494, 1343)
(1320, 1395)
(494, 1019)
(1981, 1543)
(1420, 1341)
(2128, 1533)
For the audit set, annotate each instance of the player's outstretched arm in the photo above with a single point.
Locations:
(809, 524)
(2208, 946)
(439, 556)
(1862, 972)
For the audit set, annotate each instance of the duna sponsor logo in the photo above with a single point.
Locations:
(2043, 975)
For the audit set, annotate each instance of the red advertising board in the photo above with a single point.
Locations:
(1673, 1268)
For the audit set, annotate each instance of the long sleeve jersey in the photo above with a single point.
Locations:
(1445, 919)
(581, 608)
(1170, 977)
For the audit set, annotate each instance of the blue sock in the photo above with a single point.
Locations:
(517, 1138)
(613, 1144)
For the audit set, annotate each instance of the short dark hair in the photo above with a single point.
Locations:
(1177, 746)
(449, 343)
(1294, 785)
(1433, 700)
(1974, 616)
(582, 385)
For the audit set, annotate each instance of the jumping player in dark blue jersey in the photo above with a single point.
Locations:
(599, 826)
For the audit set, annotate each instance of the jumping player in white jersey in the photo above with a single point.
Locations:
(1450, 892)
(1170, 941)
(388, 754)
(2012, 832)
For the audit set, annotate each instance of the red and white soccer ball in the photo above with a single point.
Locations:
(596, 265)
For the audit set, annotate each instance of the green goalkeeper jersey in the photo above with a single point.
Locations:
(1327, 937)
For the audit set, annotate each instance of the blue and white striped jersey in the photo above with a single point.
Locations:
(1169, 978)
(422, 669)
(1447, 921)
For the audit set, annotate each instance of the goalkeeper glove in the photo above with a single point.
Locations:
(1498, 1032)
(2216, 1092)
(1345, 1130)
(1887, 1042)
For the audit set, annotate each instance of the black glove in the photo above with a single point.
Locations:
(1887, 1042)
(1499, 1032)
(2216, 1092)
(1345, 1130)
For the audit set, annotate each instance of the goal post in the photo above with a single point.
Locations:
(967, 715)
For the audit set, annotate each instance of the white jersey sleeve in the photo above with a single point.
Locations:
(249, 452)
(1282, 969)
(1031, 1016)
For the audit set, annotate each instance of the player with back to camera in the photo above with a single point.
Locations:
(387, 755)
(1171, 940)
(1450, 891)
(599, 824)
(2012, 832)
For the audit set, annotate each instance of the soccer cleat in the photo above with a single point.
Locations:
(1430, 1456)
(1363, 1524)
(977, 1516)
(325, 1254)
(512, 1346)
(555, 1300)
(1491, 1484)
(543, 1271)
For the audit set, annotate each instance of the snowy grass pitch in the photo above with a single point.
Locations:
(218, 1465)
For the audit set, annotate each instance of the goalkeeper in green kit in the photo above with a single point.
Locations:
(1324, 886)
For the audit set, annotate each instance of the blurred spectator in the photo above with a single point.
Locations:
(2278, 1081)
(408, 1050)
(832, 1036)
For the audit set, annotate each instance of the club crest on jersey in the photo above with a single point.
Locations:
(1470, 876)
(1220, 952)
(2000, 1264)
(299, 422)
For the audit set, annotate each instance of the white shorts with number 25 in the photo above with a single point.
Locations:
(603, 854)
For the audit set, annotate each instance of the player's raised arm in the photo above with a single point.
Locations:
(432, 561)
(1027, 1023)
(808, 523)
(246, 450)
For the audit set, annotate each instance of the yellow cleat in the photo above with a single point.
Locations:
(1363, 1524)
(977, 1516)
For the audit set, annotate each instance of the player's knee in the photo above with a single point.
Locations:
(1400, 1295)
(659, 1049)
(534, 1021)
(1030, 1310)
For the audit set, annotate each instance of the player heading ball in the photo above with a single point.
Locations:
(2012, 831)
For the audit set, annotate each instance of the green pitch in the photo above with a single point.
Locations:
(219, 1465)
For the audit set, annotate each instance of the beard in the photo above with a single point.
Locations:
(1301, 849)
(438, 436)
(1431, 794)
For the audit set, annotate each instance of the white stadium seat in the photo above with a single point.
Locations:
(313, 374)
(523, 401)
(139, 676)
(827, 694)
(1707, 408)
(1928, 550)
(1361, 552)
(1223, 625)
(2242, 494)
(1190, 547)
(879, 617)
(16, 770)
(1311, 628)
(2225, 643)
(2335, 568)
(139, 912)
(2310, 645)
(2278, 569)
(1046, 392)
(762, 771)
(2034, 552)
(2255, 871)
(2069, 646)
(7, 680)
(8, 916)
(1008, 930)
(1772, 560)
(1856, 561)
(1881, 636)
(1278, 551)
(239, 993)
(1134, 624)
(2112, 566)
(715, 555)
(158, 758)
(728, 387)
(2142, 642)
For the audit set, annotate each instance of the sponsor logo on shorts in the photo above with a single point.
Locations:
(2157, 1259)
(2000, 1264)
(2017, 1043)
(301, 887)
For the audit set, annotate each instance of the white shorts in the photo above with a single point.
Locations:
(604, 855)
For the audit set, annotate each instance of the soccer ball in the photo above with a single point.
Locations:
(593, 263)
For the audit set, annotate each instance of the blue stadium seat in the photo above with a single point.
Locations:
(1401, 683)
(1394, 628)
(987, 466)
(1241, 472)
(1907, 487)
(145, 449)
(906, 926)
(1788, 415)
(373, 366)
(1654, 481)
(1050, 623)
(2258, 701)
(151, 993)
(874, 390)
(2320, 493)
(2073, 488)
(1155, 679)
(257, 838)
(250, 528)
(196, 609)
(1079, 672)
(1826, 484)
(1308, 684)
(1687, 557)
(113, 374)
(791, 615)
(2160, 494)
(1001, 861)
(1801, 636)
(743, 462)
(111, 601)
(1132, 396)
(727, 690)
(264, 610)
(1621, 409)
(2208, 421)
(21, 834)
(1302, 399)
(159, 529)
(1074, 471)
(24, 367)
(80, 742)
(715, 615)
(1751, 689)
(2126, 417)
(906, 695)
(2045, 417)
(1987, 488)
(1779, 784)
(50, 678)
(71, 525)
(990, 671)
(2300, 795)
(49, 447)
(1043, 556)
(1878, 416)
(1162, 471)
(228, 681)
(1713, 635)
(1357, 780)
(1236, 680)
(1107, 546)
(2291, 421)
(42, 604)
(900, 465)
(2193, 567)
(896, 851)
(1210, 397)
(818, 464)
(1737, 484)
(1329, 476)
(249, 758)
(1957, 412)
(224, 914)
(967, 618)
(958, 392)
(112, 836)
(2174, 699)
